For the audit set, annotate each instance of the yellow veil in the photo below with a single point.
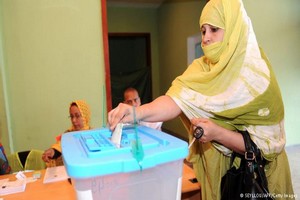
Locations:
(85, 114)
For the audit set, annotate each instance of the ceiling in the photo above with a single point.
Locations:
(135, 2)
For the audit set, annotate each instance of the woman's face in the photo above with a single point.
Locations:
(211, 34)
(76, 118)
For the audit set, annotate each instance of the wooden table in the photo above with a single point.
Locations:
(189, 190)
(37, 190)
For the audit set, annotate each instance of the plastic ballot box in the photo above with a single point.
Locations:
(102, 170)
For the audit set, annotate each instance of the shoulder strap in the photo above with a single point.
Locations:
(253, 157)
(251, 150)
(249, 146)
(249, 157)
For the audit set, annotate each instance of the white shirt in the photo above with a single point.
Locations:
(154, 125)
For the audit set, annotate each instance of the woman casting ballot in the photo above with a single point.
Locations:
(229, 89)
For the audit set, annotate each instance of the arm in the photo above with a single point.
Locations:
(213, 132)
(161, 109)
(50, 154)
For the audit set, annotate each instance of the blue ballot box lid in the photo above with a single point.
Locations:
(90, 153)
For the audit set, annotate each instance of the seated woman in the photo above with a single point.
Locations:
(80, 118)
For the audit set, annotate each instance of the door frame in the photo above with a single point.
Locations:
(147, 37)
(106, 55)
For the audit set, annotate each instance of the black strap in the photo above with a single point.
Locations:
(249, 157)
(252, 152)
(254, 160)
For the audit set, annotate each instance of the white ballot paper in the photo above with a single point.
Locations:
(54, 174)
(10, 187)
(117, 135)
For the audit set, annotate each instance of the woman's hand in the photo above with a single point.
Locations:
(210, 129)
(48, 155)
(122, 113)
(213, 132)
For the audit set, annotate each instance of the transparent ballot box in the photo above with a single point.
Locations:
(102, 170)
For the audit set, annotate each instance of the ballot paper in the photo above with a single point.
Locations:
(117, 135)
(10, 187)
(54, 174)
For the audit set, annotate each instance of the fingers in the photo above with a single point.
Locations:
(44, 157)
(112, 118)
(211, 129)
(201, 122)
(121, 114)
(47, 155)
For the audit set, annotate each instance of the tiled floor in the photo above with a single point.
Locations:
(293, 153)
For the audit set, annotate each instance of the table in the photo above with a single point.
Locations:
(189, 190)
(37, 190)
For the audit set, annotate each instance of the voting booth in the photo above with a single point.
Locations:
(101, 169)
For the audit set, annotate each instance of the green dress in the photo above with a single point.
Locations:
(233, 85)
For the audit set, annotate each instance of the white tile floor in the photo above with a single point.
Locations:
(293, 153)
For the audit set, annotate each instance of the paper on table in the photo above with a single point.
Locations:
(54, 174)
(10, 187)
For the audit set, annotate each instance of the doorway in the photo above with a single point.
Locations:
(130, 65)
